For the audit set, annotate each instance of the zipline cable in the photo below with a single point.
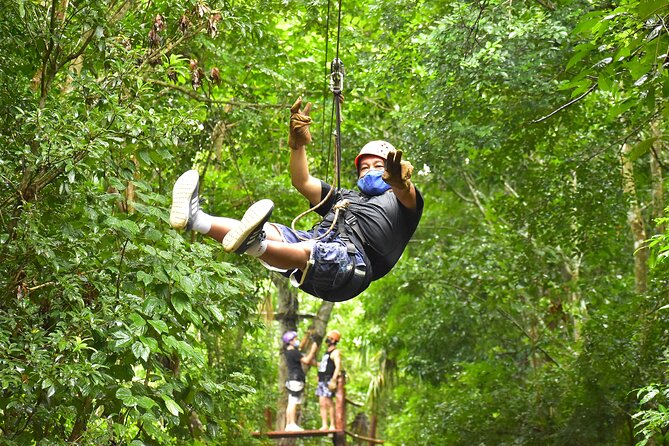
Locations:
(325, 96)
(336, 86)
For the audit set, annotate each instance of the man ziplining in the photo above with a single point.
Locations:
(362, 234)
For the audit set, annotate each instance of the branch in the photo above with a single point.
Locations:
(475, 192)
(37, 287)
(193, 95)
(459, 195)
(620, 141)
(547, 4)
(280, 316)
(360, 437)
(79, 52)
(120, 264)
(657, 157)
(590, 90)
(47, 55)
(169, 46)
(508, 317)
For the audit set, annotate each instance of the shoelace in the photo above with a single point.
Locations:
(256, 236)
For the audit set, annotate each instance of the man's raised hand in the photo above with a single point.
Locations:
(398, 172)
(299, 125)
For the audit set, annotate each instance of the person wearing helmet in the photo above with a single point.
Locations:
(372, 225)
(329, 368)
(296, 376)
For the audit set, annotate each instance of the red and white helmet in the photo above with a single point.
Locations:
(378, 148)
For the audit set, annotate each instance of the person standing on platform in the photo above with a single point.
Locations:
(329, 369)
(296, 376)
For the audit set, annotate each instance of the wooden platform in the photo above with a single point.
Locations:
(313, 433)
(338, 435)
(296, 434)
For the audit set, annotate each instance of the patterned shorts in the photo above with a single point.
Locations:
(322, 390)
(332, 264)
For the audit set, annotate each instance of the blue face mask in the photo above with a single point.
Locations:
(372, 184)
(296, 343)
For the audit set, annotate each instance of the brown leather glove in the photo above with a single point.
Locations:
(299, 125)
(398, 172)
(332, 385)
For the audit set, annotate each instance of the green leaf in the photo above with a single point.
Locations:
(641, 149)
(145, 156)
(579, 53)
(649, 7)
(146, 402)
(604, 82)
(154, 235)
(137, 320)
(151, 343)
(159, 326)
(125, 395)
(649, 396)
(588, 22)
(117, 184)
(123, 339)
(180, 303)
(151, 425)
(620, 108)
(140, 350)
(149, 306)
(582, 87)
(145, 278)
(186, 285)
(127, 227)
(171, 405)
(218, 314)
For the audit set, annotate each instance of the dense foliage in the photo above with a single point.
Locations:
(530, 308)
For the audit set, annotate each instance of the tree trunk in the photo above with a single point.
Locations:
(572, 265)
(656, 161)
(635, 221)
(319, 324)
(372, 426)
(288, 307)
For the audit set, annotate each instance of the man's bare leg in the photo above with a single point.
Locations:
(185, 213)
(278, 254)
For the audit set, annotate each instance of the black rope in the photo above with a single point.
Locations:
(325, 95)
(338, 28)
(336, 85)
(336, 103)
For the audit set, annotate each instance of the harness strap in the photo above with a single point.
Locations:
(343, 219)
(352, 222)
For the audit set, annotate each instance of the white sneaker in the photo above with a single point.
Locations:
(249, 231)
(292, 427)
(185, 200)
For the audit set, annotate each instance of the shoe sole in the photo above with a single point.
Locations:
(182, 193)
(254, 217)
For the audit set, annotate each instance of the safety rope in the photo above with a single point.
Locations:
(336, 87)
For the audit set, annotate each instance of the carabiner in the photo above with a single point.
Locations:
(337, 76)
